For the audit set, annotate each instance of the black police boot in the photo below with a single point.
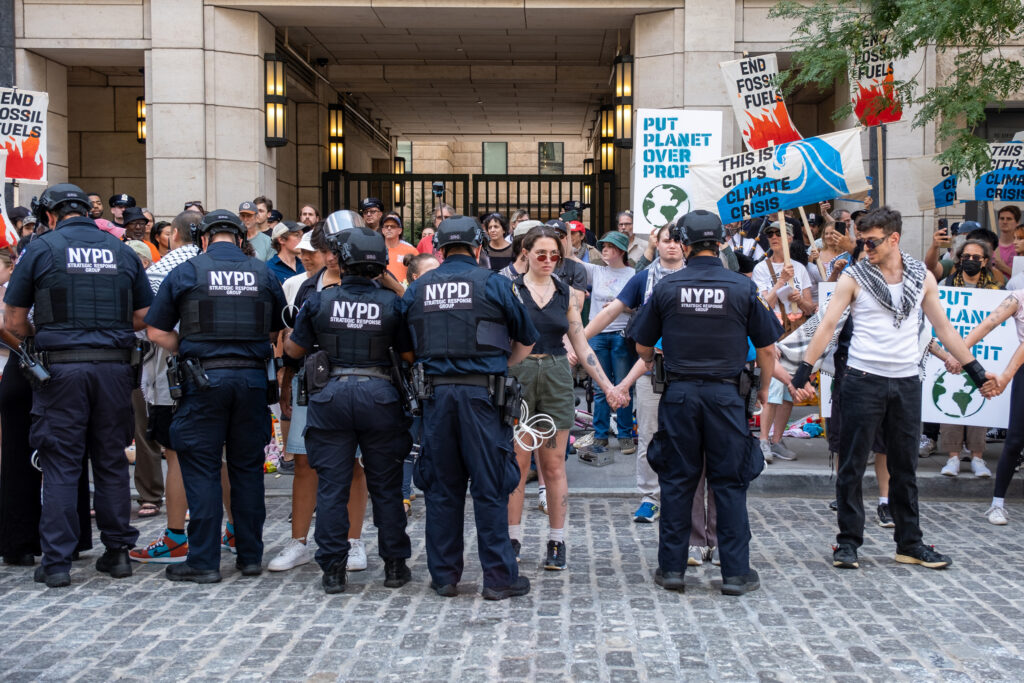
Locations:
(396, 573)
(183, 572)
(55, 580)
(22, 560)
(333, 580)
(115, 561)
(253, 569)
(738, 585)
(521, 586)
(670, 581)
(447, 590)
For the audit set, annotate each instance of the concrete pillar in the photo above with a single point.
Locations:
(35, 72)
(204, 88)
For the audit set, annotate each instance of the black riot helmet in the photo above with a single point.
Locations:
(56, 196)
(222, 220)
(338, 223)
(363, 246)
(701, 226)
(459, 230)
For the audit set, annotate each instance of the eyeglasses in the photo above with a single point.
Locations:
(372, 210)
(871, 244)
(189, 205)
(972, 257)
(625, 222)
(389, 226)
(772, 233)
(544, 257)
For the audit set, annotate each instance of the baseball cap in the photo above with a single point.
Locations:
(140, 248)
(577, 226)
(122, 200)
(775, 224)
(559, 225)
(18, 213)
(392, 217)
(246, 207)
(274, 216)
(284, 228)
(306, 244)
(525, 226)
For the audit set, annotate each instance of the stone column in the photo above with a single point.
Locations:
(35, 72)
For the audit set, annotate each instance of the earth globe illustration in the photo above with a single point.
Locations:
(956, 395)
(664, 203)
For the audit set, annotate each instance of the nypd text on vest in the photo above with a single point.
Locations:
(447, 296)
(91, 260)
(233, 283)
(702, 300)
(355, 315)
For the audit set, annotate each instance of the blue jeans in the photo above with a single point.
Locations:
(410, 459)
(615, 358)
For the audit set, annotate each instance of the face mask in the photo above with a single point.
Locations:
(971, 268)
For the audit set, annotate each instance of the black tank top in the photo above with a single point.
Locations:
(552, 321)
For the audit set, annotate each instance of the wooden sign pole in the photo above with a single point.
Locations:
(881, 164)
(784, 236)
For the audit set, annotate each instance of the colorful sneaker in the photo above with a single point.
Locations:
(168, 548)
(227, 541)
(555, 560)
(647, 513)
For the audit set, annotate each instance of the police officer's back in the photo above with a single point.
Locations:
(89, 293)
(704, 315)
(227, 305)
(357, 326)
(467, 327)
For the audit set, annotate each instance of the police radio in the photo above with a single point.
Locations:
(34, 372)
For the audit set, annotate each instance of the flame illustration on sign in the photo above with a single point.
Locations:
(774, 128)
(24, 159)
(878, 103)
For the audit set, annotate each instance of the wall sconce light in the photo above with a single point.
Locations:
(588, 167)
(607, 137)
(399, 193)
(336, 137)
(623, 101)
(274, 100)
(140, 119)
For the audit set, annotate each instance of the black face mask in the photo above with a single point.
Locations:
(971, 268)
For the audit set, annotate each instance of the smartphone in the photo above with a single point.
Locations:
(943, 224)
(840, 227)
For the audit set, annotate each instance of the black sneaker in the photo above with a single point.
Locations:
(556, 556)
(396, 573)
(333, 579)
(924, 555)
(516, 547)
(55, 580)
(738, 585)
(22, 560)
(448, 590)
(834, 505)
(885, 517)
(670, 581)
(521, 586)
(253, 569)
(844, 557)
(183, 572)
(115, 561)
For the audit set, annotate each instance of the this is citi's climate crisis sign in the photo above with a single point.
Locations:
(1004, 183)
(765, 181)
(935, 184)
(667, 142)
(23, 133)
(753, 85)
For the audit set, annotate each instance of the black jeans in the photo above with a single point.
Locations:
(869, 403)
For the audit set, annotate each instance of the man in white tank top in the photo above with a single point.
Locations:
(887, 293)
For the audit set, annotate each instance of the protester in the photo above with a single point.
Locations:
(1007, 220)
(580, 249)
(309, 216)
(257, 240)
(285, 241)
(399, 251)
(499, 249)
(160, 237)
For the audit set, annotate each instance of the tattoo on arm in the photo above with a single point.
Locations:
(591, 360)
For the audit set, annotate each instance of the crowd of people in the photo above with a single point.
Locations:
(454, 360)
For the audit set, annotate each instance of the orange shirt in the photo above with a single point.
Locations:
(398, 256)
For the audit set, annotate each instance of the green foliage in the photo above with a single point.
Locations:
(830, 32)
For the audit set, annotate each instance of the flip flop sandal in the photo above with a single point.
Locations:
(148, 510)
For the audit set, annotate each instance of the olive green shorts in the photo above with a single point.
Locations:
(547, 388)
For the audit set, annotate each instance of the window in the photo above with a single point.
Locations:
(495, 157)
(405, 151)
(550, 157)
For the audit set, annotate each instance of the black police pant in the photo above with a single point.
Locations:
(20, 482)
(465, 441)
(229, 416)
(84, 408)
(702, 422)
(891, 406)
(363, 412)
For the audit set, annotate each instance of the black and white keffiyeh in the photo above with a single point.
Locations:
(870, 277)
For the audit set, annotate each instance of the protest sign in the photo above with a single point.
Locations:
(777, 178)
(875, 100)
(668, 142)
(953, 399)
(1005, 182)
(23, 133)
(8, 235)
(934, 183)
(753, 84)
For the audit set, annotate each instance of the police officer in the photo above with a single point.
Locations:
(462, 318)
(701, 416)
(356, 326)
(118, 203)
(229, 306)
(90, 295)
(372, 210)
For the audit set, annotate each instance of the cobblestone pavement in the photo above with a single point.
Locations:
(603, 619)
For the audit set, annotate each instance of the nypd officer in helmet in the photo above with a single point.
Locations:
(90, 294)
(468, 326)
(356, 326)
(229, 307)
(701, 417)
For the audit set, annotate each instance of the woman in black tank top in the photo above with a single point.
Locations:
(547, 385)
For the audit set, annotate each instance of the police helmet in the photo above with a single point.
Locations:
(363, 246)
(222, 220)
(701, 226)
(339, 223)
(459, 230)
(57, 195)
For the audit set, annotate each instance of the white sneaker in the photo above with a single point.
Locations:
(696, 557)
(927, 447)
(980, 469)
(952, 467)
(542, 500)
(997, 516)
(356, 555)
(766, 451)
(294, 553)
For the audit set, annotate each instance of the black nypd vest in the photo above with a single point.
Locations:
(355, 325)
(88, 287)
(452, 316)
(230, 302)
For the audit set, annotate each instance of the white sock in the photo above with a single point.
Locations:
(883, 500)
(556, 535)
(515, 532)
(997, 502)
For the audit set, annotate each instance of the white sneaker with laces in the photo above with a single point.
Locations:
(927, 447)
(542, 500)
(952, 467)
(695, 557)
(766, 451)
(294, 554)
(980, 469)
(356, 555)
(997, 515)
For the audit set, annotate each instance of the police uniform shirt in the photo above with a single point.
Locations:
(499, 291)
(706, 312)
(91, 246)
(164, 314)
(305, 334)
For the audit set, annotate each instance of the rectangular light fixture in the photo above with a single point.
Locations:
(275, 100)
(607, 146)
(399, 191)
(336, 137)
(588, 167)
(623, 101)
(140, 119)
